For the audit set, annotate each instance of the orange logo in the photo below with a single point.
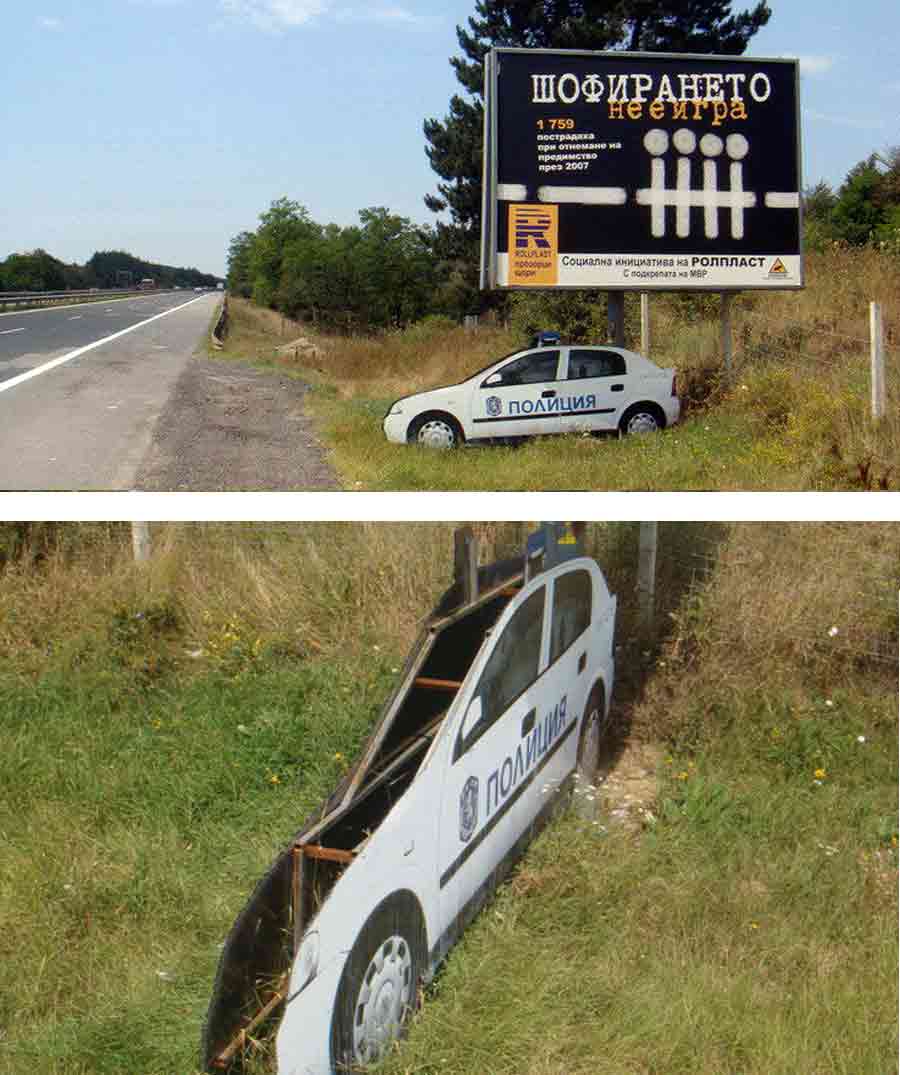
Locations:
(778, 268)
(533, 245)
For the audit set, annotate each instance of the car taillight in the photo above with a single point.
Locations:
(675, 385)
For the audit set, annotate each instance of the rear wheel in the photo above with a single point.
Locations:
(379, 986)
(589, 750)
(435, 431)
(641, 418)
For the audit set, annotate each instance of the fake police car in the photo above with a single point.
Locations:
(558, 389)
(501, 706)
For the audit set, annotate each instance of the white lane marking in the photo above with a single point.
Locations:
(54, 362)
(77, 317)
(10, 331)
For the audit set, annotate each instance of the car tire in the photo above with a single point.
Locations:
(379, 985)
(590, 743)
(641, 418)
(435, 431)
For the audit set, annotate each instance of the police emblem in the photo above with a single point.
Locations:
(494, 406)
(468, 808)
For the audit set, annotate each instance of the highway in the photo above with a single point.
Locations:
(82, 387)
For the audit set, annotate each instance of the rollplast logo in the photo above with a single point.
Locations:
(533, 244)
(532, 226)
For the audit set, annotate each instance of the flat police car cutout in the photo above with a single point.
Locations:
(557, 389)
(496, 714)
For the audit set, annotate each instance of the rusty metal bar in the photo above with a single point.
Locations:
(430, 683)
(223, 1059)
(326, 854)
(297, 901)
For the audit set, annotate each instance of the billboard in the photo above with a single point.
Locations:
(640, 171)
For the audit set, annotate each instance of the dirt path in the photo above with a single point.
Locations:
(230, 427)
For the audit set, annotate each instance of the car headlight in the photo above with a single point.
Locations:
(306, 962)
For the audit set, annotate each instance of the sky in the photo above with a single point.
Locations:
(166, 127)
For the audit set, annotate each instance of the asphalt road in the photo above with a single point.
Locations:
(87, 421)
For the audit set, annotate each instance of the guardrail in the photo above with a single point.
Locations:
(39, 298)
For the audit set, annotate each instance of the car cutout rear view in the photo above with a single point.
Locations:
(500, 706)
(542, 390)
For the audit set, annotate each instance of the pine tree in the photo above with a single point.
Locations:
(454, 144)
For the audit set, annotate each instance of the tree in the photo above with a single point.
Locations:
(240, 251)
(454, 144)
(282, 223)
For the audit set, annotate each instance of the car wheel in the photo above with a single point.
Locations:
(590, 743)
(434, 431)
(379, 984)
(640, 419)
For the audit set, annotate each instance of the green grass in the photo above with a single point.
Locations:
(749, 928)
(134, 823)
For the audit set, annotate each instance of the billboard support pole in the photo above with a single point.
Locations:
(645, 324)
(725, 325)
(646, 587)
(615, 318)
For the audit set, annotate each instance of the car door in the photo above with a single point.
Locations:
(486, 760)
(520, 398)
(597, 388)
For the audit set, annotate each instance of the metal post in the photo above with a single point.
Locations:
(140, 542)
(615, 317)
(726, 332)
(465, 562)
(646, 585)
(876, 343)
(645, 324)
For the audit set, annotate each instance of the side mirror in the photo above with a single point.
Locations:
(472, 717)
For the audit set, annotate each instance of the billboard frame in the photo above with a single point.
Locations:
(489, 274)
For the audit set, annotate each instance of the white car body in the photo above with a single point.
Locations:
(566, 389)
(491, 772)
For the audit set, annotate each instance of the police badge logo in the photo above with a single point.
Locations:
(468, 808)
(494, 406)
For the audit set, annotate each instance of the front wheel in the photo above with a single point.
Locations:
(435, 431)
(641, 418)
(379, 985)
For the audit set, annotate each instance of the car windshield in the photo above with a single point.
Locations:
(484, 369)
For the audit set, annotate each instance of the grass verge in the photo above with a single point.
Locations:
(794, 413)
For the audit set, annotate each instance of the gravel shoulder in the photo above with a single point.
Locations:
(231, 427)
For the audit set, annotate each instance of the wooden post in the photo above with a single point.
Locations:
(876, 343)
(615, 317)
(645, 324)
(140, 542)
(725, 327)
(647, 574)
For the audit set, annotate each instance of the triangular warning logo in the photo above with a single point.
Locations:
(778, 268)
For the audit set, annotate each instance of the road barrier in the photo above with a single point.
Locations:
(221, 326)
(42, 298)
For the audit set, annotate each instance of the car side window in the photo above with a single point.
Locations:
(583, 363)
(514, 664)
(571, 610)
(529, 369)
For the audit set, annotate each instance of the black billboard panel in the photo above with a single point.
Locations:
(640, 171)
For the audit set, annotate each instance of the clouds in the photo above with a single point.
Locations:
(48, 22)
(815, 65)
(276, 16)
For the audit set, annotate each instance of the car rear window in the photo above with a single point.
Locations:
(595, 364)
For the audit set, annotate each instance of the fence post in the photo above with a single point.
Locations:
(646, 585)
(876, 344)
(465, 562)
(615, 317)
(140, 542)
(645, 324)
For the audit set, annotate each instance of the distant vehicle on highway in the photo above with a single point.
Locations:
(556, 389)
(147, 284)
